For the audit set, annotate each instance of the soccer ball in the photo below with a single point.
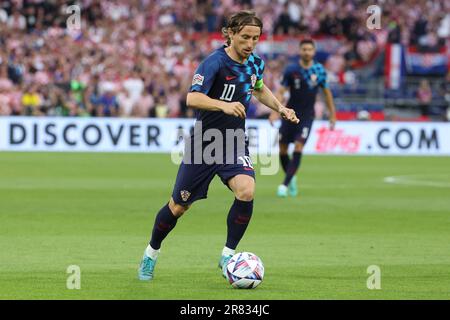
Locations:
(244, 270)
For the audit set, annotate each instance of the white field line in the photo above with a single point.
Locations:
(414, 180)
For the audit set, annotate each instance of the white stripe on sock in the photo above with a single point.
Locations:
(228, 252)
(152, 253)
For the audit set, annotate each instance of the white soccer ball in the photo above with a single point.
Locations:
(244, 270)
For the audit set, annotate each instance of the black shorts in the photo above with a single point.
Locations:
(193, 179)
(291, 132)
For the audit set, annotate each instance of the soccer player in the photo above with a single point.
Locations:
(221, 90)
(302, 79)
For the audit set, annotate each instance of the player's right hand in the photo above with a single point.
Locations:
(289, 115)
(236, 109)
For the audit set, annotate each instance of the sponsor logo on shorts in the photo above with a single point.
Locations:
(185, 195)
(305, 132)
(198, 79)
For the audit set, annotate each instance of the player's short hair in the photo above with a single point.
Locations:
(307, 41)
(239, 20)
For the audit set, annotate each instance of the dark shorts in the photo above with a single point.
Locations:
(193, 179)
(291, 132)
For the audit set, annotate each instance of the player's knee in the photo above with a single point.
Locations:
(177, 209)
(298, 147)
(245, 194)
(283, 148)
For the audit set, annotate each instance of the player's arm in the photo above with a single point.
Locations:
(281, 96)
(201, 101)
(330, 106)
(266, 97)
(328, 98)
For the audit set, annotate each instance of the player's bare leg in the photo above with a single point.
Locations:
(165, 221)
(243, 187)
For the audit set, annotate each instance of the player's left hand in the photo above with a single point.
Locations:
(289, 114)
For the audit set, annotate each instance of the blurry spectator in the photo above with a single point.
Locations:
(126, 103)
(211, 17)
(161, 109)
(17, 21)
(60, 108)
(5, 96)
(72, 108)
(395, 32)
(424, 96)
(3, 16)
(173, 102)
(348, 23)
(330, 25)
(365, 46)
(31, 17)
(5, 82)
(295, 12)
(335, 63)
(107, 103)
(77, 89)
(5, 108)
(31, 101)
(420, 29)
(47, 103)
(444, 27)
(284, 22)
(134, 85)
(93, 103)
(144, 106)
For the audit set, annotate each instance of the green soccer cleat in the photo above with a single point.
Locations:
(292, 188)
(282, 191)
(223, 263)
(146, 268)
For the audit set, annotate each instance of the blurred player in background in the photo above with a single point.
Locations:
(222, 87)
(302, 81)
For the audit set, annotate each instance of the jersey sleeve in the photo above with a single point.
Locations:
(260, 73)
(323, 81)
(285, 79)
(205, 75)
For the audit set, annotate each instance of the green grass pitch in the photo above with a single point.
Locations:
(97, 210)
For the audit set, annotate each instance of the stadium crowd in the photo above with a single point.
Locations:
(136, 57)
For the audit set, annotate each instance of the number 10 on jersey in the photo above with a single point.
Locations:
(228, 92)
